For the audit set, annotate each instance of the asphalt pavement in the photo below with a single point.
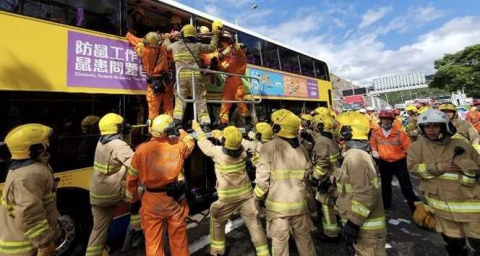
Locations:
(404, 237)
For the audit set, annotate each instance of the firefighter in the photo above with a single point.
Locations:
(306, 136)
(322, 111)
(283, 167)
(389, 148)
(324, 156)
(155, 63)
(234, 61)
(234, 189)
(412, 129)
(263, 134)
(372, 118)
(359, 196)
(112, 159)
(448, 169)
(398, 122)
(474, 116)
(465, 130)
(28, 207)
(158, 165)
(186, 53)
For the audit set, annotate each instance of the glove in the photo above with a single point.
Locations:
(195, 125)
(350, 232)
(251, 135)
(375, 155)
(422, 217)
(46, 250)
(217, 134)
(324, 185)
(429, 221)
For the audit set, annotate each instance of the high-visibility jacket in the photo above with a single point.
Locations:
(466, 131)
(235, 61)
(158, 162)
(233, 183)
(325, 155)
(474, 118)
(391, 148)
(28, 208)
(452, 195)
(253, 147)
(281, 175)
(112, 160)
(359, 192)
(372, 118)
(184, 57)
(149, 56)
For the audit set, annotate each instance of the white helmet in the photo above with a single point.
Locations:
(362, 110)
(370, 109)
(388, 108)
(433, 116)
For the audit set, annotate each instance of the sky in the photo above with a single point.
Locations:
(370, 38)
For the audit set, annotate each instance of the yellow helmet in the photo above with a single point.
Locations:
(306, 117)
(265, 130)
(89, 122)
(217, 25)
(447, 107)
(204, 30)
(423, 109)
(352, 126)
(161, 125)
(20, 139)
(189, 31)
(110, 123)
(175, 19)
(411, 108)
(326, 120)
(322, 111)
(152, 39)
(232, 138)
(288, 123)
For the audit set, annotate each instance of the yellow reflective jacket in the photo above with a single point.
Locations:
(28, 211)
(325, 155)
(452, 195)
(233, 183)
(281, 174)
(359, 192)
(112, 160)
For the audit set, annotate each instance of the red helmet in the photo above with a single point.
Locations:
(476, 102)
(397, 112)
(386, 114)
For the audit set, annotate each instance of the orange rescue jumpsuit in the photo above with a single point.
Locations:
(234, 62)
(474, 118)
(155, 164)
(148, 57)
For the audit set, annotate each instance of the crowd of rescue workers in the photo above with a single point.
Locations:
(345, 161)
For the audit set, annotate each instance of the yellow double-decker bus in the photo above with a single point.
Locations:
(64, 63)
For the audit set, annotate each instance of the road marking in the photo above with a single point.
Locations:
(205, 240)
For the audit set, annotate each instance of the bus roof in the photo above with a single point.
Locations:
(180, 6)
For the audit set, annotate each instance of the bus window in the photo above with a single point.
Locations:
(270, 55)
(289, 61)
(103, 16)
(321, 70)
(73, 117)
(253, 48)
(307, 66)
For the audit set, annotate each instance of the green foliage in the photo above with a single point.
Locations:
(461, 69)
(401, 97)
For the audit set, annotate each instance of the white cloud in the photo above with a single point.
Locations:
(414, 18)
(339, 23)
(374, 15)
(377, 61)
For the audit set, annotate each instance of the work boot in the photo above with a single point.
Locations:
(222, 126)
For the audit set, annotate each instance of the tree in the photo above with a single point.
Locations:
(459, 70)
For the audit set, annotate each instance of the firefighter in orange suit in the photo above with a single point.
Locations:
(28, 207)
(234, 189)
(234, 61)
(324, 155)
(449, 170)
(359, 194)
(155, 63)
(474, 116)
(283, 167)
(389, 148)
(112, 159)
(157, 164)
